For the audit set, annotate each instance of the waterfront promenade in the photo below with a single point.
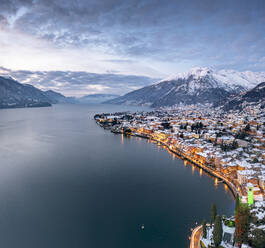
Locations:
(195, 237)
(199, 164)
(210, 171)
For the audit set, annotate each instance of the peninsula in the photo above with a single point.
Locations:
(228, 145)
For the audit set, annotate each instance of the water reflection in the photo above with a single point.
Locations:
(216, 182)
(75, 185)
(174, 155)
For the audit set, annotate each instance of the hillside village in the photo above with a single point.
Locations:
(229, 145)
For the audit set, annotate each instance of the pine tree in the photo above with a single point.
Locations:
(214, 213)
(242, 224)
(204, 230)
(217, 231)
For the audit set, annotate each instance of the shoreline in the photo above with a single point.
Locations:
(184, 157)
(204, 168)
(181, 155)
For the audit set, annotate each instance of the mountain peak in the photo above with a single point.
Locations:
(224, 78)
(201, 71)
(195, 72)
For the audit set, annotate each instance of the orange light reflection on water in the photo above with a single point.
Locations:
(216, 182)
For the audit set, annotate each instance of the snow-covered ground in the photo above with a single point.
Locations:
(258, 211)
(226, 231)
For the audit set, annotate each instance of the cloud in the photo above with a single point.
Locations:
(150, 37)
(79, 83)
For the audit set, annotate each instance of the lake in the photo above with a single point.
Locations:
(66, 182)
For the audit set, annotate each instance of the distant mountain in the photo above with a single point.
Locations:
(96, 98)
(254, 96)
(74, 82)
(56, 97)
(16, 95)
(200, 85)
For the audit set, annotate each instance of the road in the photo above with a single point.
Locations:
(195, 237)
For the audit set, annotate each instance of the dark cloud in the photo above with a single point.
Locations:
(12, 6)
(165, 30)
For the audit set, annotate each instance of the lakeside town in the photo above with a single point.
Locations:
(228, 145)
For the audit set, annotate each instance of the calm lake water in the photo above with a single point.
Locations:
(67, 183)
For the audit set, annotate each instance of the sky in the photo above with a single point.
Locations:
(150, 38)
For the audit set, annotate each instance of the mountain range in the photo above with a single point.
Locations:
(16, 95)
(227, 88)
(200, 85)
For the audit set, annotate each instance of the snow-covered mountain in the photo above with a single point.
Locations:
(199, 85)
(231, 78)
